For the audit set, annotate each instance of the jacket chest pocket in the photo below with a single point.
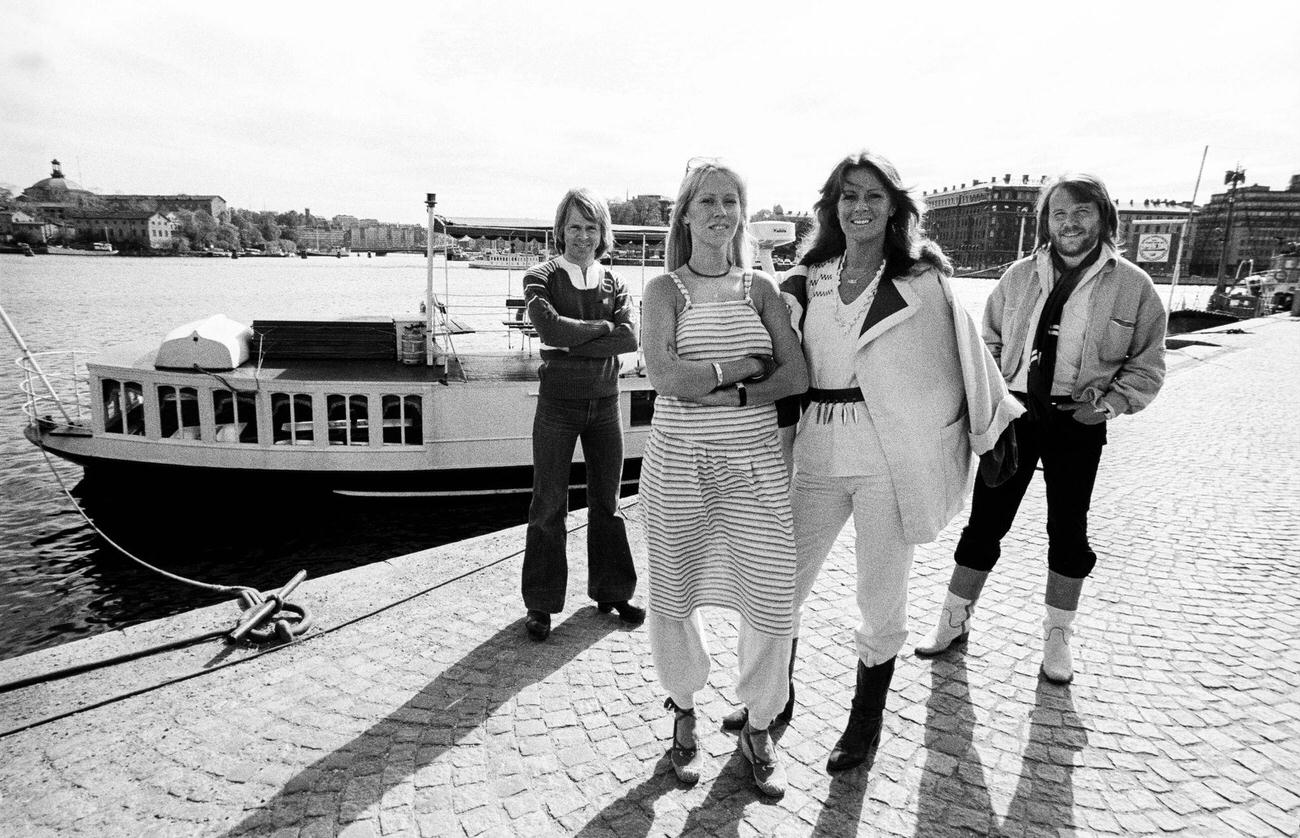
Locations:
(1116, 339)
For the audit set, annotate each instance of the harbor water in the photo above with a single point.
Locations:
(59, 580)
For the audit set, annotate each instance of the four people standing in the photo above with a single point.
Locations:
(1079, 334)
(901, 391)
(584, 318)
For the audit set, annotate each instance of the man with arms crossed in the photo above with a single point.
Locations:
(583, 315)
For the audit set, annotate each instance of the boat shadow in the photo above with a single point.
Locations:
(348, 783)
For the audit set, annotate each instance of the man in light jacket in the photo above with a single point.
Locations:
(1078, 332)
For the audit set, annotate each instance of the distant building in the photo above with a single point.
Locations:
(385, 237)
(322, 239)
(986, 224)
(16, 225)
(55, 195)
(1262, 221)
(1149, 233)
(130, 229)
(213, 205)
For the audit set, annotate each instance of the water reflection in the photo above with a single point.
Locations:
(69, 582)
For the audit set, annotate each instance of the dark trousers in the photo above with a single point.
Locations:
(557, 425)
(1070, 453)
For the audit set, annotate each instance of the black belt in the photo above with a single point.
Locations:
(1024, 398)
(842, 396)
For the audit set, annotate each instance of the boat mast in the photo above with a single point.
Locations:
(1182, 238)
(431, 299)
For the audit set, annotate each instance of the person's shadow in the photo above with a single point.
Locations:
(356, 776)
(953, 794)
(1044, 796)
(718, 814)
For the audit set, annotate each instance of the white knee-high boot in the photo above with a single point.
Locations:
(1058, 664)
(952, 628)
(954, 620)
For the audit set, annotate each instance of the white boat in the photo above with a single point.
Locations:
(502, 261)
(96, 249)
(352, 406)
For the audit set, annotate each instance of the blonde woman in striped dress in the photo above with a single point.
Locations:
(719, 350)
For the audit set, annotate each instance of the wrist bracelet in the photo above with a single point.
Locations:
(717, 370)
(769, 367)
(740, 390)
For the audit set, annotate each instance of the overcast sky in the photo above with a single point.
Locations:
(499, 107)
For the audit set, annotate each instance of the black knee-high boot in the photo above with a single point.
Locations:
(866, 717)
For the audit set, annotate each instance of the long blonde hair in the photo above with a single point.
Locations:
(678, 250)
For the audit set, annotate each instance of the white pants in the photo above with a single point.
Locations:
(681, 658)
(821, 507)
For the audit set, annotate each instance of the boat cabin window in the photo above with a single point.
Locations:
(235, 413)
(178, 411)
(123, 407)
(347, 419)
(643, 407)
(291, 419)
(403, 420)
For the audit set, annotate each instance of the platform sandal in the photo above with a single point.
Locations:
(685, 759)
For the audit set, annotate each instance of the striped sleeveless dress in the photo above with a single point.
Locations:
(719, 530)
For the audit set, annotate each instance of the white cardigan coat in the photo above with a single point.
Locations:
(933, 392)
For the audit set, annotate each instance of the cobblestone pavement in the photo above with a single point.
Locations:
(439, 717)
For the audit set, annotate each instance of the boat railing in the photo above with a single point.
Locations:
(56, 389)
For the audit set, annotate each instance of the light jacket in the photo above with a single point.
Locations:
(932, 390)
(1123, 352)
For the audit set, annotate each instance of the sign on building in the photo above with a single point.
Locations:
(1153, 247)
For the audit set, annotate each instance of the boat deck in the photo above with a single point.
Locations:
(498, 367)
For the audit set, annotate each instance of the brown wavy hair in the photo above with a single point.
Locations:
(1084, 188)
(905, 242)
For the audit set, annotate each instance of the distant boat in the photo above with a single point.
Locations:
(499, 261)
(1258, 294)
(96, 249)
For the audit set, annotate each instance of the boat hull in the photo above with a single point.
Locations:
(499, 480)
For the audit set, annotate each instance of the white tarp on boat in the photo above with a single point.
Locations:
(217, 343)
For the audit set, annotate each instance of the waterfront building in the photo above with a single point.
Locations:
(125, 229)
(322, 239)
(1263, 220)
(56, 195)
(1149, 233)
(382, 238)
(213, 205)
(988, 224)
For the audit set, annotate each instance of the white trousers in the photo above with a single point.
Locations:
(822, 505)
(681, 657)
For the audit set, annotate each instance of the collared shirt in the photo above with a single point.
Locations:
(584, 280)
